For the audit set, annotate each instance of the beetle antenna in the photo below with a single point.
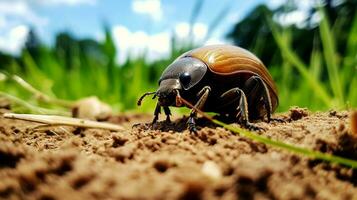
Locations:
(144, 95)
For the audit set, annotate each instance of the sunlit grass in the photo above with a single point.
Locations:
(116, 84)
(299, 83)
(310, 90)
(291, 148)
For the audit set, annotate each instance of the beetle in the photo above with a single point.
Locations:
(224, 79)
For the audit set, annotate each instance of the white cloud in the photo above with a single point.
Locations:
(13, 41)
(14, 14)
(182, 30)
(136, 43)
(301, 4)
(13, 17)
(297, 17)
(20, 10)
(148, 7)
(199, 31)
(273, 4)
(158, 45)
(67, 2)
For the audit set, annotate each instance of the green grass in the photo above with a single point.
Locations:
(278, 144)
(118, 85)
(77, 73)
(291, 148)
(308, 88)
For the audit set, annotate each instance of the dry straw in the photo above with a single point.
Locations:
(54, 120)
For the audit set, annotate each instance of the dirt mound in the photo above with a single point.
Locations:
(167, 162)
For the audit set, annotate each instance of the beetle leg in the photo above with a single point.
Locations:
(167, 113)
(233, 95)
(203, 94)
(255, 85)
(156, 113)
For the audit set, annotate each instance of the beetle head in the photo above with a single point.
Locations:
(183, 74)
(167, 92)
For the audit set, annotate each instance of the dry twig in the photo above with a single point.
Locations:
(54, 120)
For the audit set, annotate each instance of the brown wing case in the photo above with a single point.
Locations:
(227, 59)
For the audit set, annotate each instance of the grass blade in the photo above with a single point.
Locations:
(275, 143)
(350, 63)
(292, 58)
(329, 51)
(197, 8)
(218, 19)
(294, 149)
(32, 108)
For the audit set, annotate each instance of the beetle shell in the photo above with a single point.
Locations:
(228, 60)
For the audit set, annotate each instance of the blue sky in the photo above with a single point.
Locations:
(136, 24)
(86, 17)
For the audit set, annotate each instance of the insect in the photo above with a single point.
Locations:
(224, 79)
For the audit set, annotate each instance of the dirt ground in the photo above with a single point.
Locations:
(168, 162)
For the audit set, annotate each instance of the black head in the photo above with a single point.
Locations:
(183, 74)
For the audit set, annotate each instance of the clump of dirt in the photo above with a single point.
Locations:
(9, 156)
(5, 103)
(166, 161)
(297, 113)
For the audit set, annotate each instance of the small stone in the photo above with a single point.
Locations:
(118, 141)
(212, 170)
(297, 113)
(91, 108)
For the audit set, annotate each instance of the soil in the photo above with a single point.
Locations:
(167, 162)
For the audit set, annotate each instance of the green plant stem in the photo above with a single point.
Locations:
(330, 54)
(31, 107)
(292, 58)
(275, 143)
(40, 95)
(289, 147)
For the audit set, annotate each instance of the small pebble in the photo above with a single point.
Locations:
(297, 113)
(212, 170)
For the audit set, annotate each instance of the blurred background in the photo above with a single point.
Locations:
(117, 50)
